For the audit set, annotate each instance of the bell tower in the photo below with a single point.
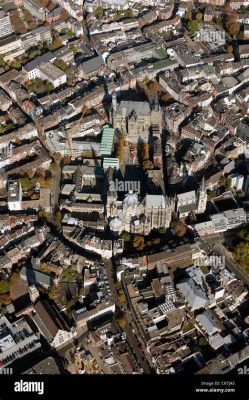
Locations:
(201, 198)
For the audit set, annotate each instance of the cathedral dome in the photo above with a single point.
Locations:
(116, 224)
(130, 201)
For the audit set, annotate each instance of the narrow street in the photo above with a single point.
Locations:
(131, 337)
(138, 354)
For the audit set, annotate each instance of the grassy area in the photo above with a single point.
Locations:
(26, 183)
(187, 327)
(69, 274)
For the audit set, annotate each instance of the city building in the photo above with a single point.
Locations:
(35, 9)
(43, 68)
(135, 119)
(32, 38)
(17, 341)
(138, 216)
(237, 181)
(5, 24)
(190, 202)
(14, 196)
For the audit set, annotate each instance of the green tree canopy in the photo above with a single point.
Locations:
(193, 26)
(4, 286)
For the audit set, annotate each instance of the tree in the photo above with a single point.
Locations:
(4, 286)
(16, 64)
(72, 358)
(45, 268)
(15, 277)
(148, 165)
(99, 13)
(219, 22)
(58, 156)
(69, 274)
(138, 242)
(153, 86)
(34, 54)
(181, 230)
(193, 26)
(40, 173)
(74, 49)
(242, 234)
(232, 24)
(85, 110)
(70, 34)
(30, 174)
(70, 304)
(203, 341)
(188, 15)
(56, 44)
(57, 219)
(4, 299)
(198, 17)
(43, 215)
(145, 152)
(241, 253)
(125, 236)
(166, 97)
(26, 183)
(66, 159)
(60, 64)
(146, 80)
(130, 13)
(53, 292)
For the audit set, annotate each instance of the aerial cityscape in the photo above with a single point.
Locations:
(124, 187)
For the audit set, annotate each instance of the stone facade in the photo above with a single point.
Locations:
(139, 216)
(135, 119)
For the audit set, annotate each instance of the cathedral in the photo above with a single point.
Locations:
(138, 216)
(141, 216)
(135, 119)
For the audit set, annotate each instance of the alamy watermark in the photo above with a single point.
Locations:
(210, 36)
(211, 261)
(243, 370)
(24, 386)
(6, 371)
(125, 186)
(7, 150)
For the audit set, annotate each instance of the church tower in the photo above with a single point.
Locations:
(111, 204)
(201, 198)
(156, 115)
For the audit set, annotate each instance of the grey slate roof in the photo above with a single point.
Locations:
(193, 294)
(92, 65)
(47, 57)
(207, 322)
(34, 276)
(139, 107)
(47, 366)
